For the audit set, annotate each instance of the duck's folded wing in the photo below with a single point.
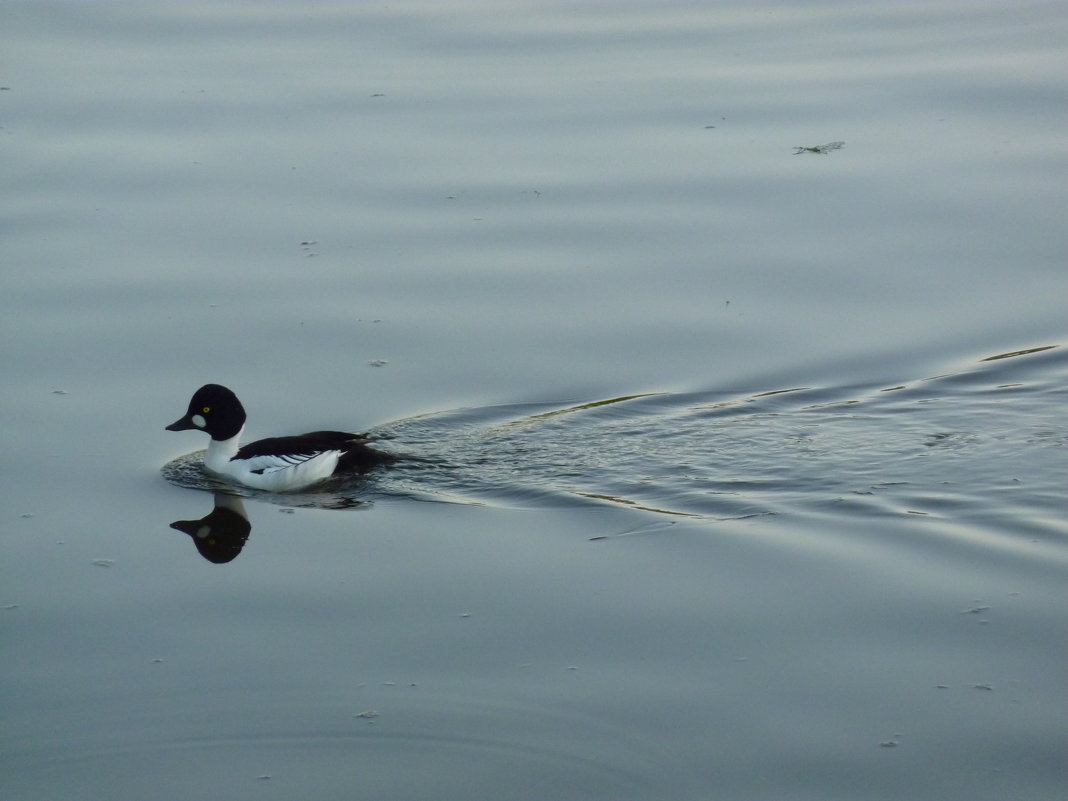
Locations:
(302, 445)
(329, 448)
(283, 453)
(272, 463)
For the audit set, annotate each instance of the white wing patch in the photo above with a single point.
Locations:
(264, 465)
(280, 472)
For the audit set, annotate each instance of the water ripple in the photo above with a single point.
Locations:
(983, 441)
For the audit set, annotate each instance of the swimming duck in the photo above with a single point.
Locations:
(277, 464)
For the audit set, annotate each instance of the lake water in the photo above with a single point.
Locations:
(735, 472)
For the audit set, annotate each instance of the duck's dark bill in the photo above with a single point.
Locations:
(180, 425)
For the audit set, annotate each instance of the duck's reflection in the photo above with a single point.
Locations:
(221, 535)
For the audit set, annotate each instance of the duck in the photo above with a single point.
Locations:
(276, 464)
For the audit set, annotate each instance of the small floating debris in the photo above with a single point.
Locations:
(369, 714)
(60, 392)
(103, 562)
(378, 362)
(821, 149)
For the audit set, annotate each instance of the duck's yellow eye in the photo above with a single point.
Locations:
(206, 409)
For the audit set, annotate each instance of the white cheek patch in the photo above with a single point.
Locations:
(198, 421)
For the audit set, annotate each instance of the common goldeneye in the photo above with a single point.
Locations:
(277, 464)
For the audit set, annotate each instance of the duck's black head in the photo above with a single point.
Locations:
(215, 410)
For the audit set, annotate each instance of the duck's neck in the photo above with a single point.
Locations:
(221, 451)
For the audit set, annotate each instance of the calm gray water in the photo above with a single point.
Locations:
(736, 473)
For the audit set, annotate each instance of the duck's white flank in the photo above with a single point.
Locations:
(275, 472)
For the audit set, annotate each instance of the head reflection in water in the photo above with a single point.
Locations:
(221, 535)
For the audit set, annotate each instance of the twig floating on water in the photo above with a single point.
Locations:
(821, 149)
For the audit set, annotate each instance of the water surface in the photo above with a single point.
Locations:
(733, 473)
